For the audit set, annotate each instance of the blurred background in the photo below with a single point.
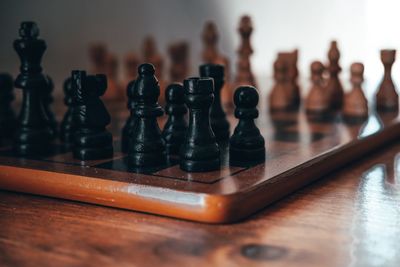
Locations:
(361, 27)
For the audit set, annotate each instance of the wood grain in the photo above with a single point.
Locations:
(350, 218)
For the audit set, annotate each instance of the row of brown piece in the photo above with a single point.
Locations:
(105, 62)
(326, 92)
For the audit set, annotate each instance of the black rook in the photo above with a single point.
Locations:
(219, 123)
(200, 151)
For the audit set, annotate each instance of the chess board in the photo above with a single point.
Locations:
(299, 150)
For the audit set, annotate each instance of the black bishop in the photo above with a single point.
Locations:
(146, 146)
(175, 129)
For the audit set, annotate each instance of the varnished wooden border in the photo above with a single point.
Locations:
(203, 207)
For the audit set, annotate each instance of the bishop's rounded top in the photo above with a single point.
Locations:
(146, 88)
(246, 97)
(146, 69)
(28, 29)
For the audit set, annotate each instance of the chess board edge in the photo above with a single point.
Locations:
(196, 206)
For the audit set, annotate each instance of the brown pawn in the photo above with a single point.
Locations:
(244, 73)
(151, 55)
(334, 87)
(179, 53)
(211, 55)
(131, 64)
(317, 101)
(114, 89)
(279, 98)
(98, 57)
(387, 98)
(355, 106)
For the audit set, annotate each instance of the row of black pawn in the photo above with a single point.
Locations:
(196, 142)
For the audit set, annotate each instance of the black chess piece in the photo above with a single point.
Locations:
(92, 140)
(7, 115)
(130, 122)
(219, 123)
(199, 151)
(47, 100)
(246, 143)
(68, 127)
(175, 129)
(147, 148)
(33, 135)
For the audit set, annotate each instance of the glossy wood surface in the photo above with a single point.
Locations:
(299, 151)
(349, 218)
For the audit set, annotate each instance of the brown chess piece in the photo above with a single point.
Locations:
(293, 89)
(244, 74)
(279, 98)
(334, 88)
(179, 69)
(114, 90)
(98, 57)
(151, 55)
(355, 104)
(131, 64)
(387, 98)
(211, 55)
(317, 101)
(210, 40)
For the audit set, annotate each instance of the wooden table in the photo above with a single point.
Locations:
(350, 218)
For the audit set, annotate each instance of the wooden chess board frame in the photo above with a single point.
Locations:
(299, 151)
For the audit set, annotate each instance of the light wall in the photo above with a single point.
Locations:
(361, 27)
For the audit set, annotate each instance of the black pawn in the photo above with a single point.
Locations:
(147, 148)
(200, 151)
(47, 100)
(7, 115)
(246, 143)
(33, 134)
(130, 123)
(92, 140)
(68, 128)
(175, 128)
(219, 123)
